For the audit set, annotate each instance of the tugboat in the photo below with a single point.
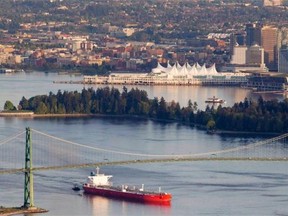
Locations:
(99, 184)
(76, 187)
(214, 100)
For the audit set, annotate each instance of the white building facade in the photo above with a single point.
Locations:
(172, 75)
(239, 55)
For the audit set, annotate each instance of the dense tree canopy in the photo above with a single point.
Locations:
(259, 116)
(8, 106)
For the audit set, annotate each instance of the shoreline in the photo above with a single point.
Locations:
(20, 210)
(83, 115)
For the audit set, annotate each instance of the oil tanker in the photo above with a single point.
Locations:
(99, 184)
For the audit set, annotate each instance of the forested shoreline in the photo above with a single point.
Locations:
(250, 116)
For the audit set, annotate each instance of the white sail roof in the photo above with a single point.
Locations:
(198, 66)
(186, 69)
(212, 70)
(203, 70)
(174, 70)
(179, 67)
(158, 69)
(188, 66)
(183, 71)
(193, 70)
(168, 64)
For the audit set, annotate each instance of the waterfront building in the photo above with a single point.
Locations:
(267, 82)
(6, 70)
(173, 75)
(245, 68)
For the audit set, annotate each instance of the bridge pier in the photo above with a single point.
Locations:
(28, 184)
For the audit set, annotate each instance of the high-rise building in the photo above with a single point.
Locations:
(253, 34)
(266, 37)
(239, 55)
(236, 39)
(269, 36)
(283, 60)
(283, 51)
(282, 37)
(255, 55)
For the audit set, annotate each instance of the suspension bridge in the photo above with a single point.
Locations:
(31, 150)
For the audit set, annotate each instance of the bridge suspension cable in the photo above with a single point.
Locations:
(51, 152)
(239, 148)
(7, 140)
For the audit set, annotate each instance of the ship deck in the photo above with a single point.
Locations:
(126, 189)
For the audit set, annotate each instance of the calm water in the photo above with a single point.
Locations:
(198, 188)
(15, 86)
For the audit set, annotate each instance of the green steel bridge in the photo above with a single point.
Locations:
(40, 151)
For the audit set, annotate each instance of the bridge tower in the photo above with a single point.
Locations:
(28, 184)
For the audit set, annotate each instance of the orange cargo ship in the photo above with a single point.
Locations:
(99, 184)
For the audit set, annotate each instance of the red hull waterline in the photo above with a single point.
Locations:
(146, 197)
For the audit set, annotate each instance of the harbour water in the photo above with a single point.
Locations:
(198, 188)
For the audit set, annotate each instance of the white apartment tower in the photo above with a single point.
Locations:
(239, 55)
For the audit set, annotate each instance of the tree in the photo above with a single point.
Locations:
(24, 104)
(211, 125)
(153, 107)
(41, 108)
(8, 106)
(162, 109)
(195, 106)
(52, 103)
(190, 104)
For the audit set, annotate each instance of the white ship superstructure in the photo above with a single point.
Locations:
(173, 75)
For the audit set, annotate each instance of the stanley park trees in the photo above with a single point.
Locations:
(106, 101)
(252, 116)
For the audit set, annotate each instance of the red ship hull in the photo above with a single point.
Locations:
(139, 196)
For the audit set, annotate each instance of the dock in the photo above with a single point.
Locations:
(20, 210)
